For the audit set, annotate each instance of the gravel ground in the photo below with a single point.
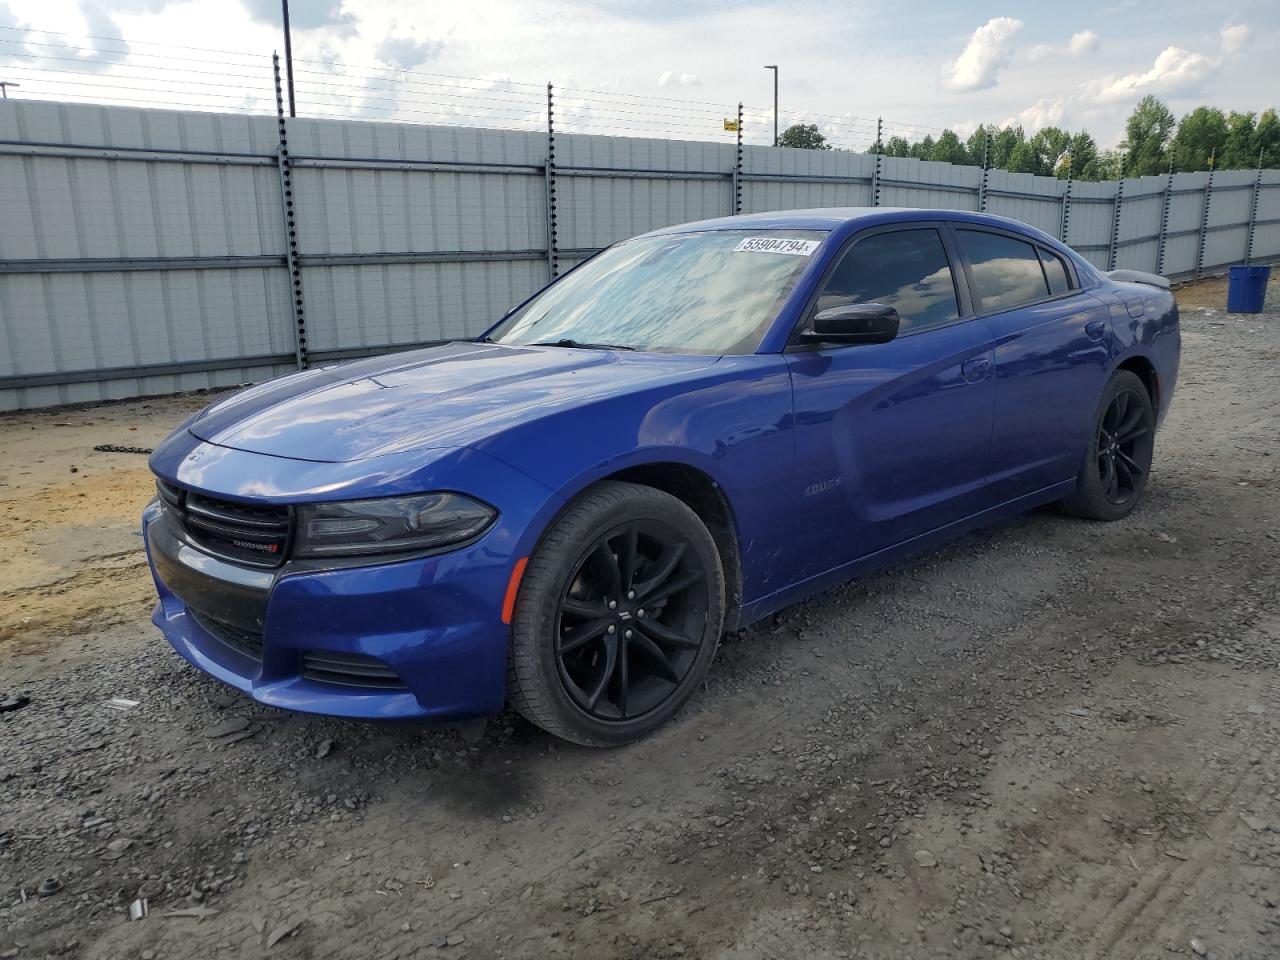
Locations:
(1053, 739)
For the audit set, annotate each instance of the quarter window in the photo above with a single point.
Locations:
(1055, 271)
(1006, 272)
(906, 269)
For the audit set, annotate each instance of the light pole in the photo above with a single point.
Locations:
(774, 68)
(4, 88)
(288, 54)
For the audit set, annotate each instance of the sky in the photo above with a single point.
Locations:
(660, 67)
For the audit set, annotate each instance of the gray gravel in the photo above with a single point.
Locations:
(1050, 739)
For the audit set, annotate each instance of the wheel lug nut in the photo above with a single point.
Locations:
(612, 628)
(640, 612)
(613, 604)
(631, 594)
(627, 634)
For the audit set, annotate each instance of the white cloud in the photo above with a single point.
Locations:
(1083, 43)
(303, 14)
(671, 78)
(984, 56)
(1043, 113)
(1235, 37)
(1175, 71)
(407, 53)
(1080, 45)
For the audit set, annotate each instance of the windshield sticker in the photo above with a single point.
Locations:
(797, 248)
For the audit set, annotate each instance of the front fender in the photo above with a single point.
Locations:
(734, 425)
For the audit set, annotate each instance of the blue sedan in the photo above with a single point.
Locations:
(691, 430)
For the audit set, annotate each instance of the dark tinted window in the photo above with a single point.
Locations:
(1006, 272)
(1055, 271)
(906, 269)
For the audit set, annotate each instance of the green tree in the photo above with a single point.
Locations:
(1267, 139)
(1147, 134)
(1202, 134)
(949, 149)
(1002, 145)
(1051, 145)
(805, 136)
(1240, 146)
(1083, 154)
(1024, 159)
(924, 149)
(897, 147)
(976, 146)
(1107, 166)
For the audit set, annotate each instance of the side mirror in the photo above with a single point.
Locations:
(853, 323)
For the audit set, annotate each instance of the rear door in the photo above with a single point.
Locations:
(1052, 344)
(892, 439)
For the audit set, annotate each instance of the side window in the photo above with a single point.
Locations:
(1006, 272)
(1055, 271)
(906, 269)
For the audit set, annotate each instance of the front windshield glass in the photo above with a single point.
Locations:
(713, 292)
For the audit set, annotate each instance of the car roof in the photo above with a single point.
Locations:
(831, 218)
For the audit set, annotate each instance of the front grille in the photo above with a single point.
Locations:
(257, 535)
(246, 642)
(349, 670)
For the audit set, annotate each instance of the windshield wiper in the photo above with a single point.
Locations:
(580, 345)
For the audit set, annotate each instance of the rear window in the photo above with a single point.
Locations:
(1006, 272)
(1055, 271)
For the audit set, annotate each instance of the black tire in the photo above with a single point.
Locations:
(1118, 463)
(642, 664)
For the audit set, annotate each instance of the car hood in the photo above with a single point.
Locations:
(452, 395)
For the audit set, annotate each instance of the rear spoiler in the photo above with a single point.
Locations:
(1137, 276)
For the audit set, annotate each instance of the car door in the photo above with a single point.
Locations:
(892, 439)
(1052, 344)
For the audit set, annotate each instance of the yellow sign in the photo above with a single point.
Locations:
(730, 124)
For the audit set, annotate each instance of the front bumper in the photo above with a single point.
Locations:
(433, 624)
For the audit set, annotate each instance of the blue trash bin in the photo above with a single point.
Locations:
(1247, 288)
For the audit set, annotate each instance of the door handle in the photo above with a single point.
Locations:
(975, 369)
(1095, 329)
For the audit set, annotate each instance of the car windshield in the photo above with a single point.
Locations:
(713, 292)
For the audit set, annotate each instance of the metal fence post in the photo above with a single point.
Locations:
(1253, 211)
(737, 168)
(1115, 223)
(875, 174)
(1204, 223)
(553, 259)
(986, 171)
(290, 227)
(1164, 222)
(1064, 219)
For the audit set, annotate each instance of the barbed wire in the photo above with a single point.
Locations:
(88, 68)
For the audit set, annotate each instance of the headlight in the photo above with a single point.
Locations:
(389, 526)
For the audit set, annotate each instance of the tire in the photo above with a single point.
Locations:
(1117, 465)
(604, 676)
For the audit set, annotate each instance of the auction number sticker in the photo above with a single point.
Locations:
(797, 248)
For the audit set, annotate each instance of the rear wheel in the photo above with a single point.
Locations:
(618, 617)
(1116, 468)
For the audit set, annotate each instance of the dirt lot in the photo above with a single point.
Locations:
(1054, 739)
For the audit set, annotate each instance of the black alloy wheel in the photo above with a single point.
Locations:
(1118, 464)
(618, 616)
(630, 623)
(1124, 445)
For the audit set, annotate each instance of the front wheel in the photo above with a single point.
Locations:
(1118, 463)
(618, 616)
